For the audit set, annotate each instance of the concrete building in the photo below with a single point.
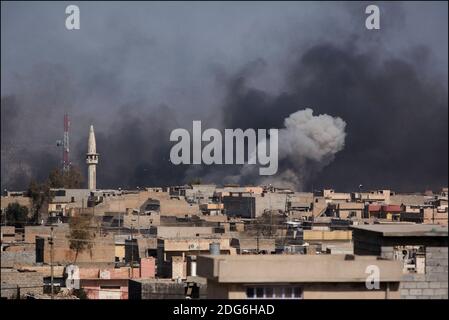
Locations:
(421, 249)
(423, 214)
(388, 212)
(200, 193)
(297, 277)
(212, 209)
(102, 251)
(172, 253)
(247, 245)
(65, 199)
(240, 204)
(331, 196)
(246, 204)
(300, 202)
(348, 210)
(112, 283)
(144, 289)
(375, 196)
(7, 235)
(327, 235)
(31, 232)
(91, 160)
(181, 232)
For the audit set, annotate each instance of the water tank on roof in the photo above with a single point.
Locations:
(214, 248)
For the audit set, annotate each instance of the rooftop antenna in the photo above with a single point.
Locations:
(65, 145)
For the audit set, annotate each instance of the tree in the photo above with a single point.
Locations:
(80, 294)
(268, 224)
(56, 178)
(80, 235)
(40, 192)
(40, 195)
(195, 181)
(16, 214)
(71, 179)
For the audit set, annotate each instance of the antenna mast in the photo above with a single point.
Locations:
(65, 145)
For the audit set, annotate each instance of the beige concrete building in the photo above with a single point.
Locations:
(334, 197)
(173, 253)
(327, 235)
(297, 277)
(138, 201)
(350, 210)
(7, 234)
(374, 196)
(102, 251)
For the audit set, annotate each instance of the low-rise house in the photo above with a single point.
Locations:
(381, 211)
(102, 251)
(172, 253)
(250, 245)
(112, 283)
(347, 210)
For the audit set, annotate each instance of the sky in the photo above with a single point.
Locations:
(137, 70)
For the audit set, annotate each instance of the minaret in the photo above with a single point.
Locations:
(91, 160)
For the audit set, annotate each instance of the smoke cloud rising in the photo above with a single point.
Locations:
(138, 71)
(307, 143)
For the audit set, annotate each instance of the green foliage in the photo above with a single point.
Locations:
(16, 214)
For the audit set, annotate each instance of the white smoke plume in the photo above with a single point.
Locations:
(307, 143)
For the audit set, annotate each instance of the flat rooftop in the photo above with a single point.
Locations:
(406, 230)
(294, 268)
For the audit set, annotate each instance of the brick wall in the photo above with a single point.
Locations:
(434, 283)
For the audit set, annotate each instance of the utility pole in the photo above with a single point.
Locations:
(257, 240)
(50, 241)
(433, 213)
(132, 252)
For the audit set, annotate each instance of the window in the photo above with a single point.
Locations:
(274, 292)
(413, 258)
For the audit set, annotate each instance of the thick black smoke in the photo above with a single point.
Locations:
(397, 129)
(136, 82)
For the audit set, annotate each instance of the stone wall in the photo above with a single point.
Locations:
(27, 282)
(11, 259)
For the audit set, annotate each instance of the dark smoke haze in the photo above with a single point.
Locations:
(138, 70)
